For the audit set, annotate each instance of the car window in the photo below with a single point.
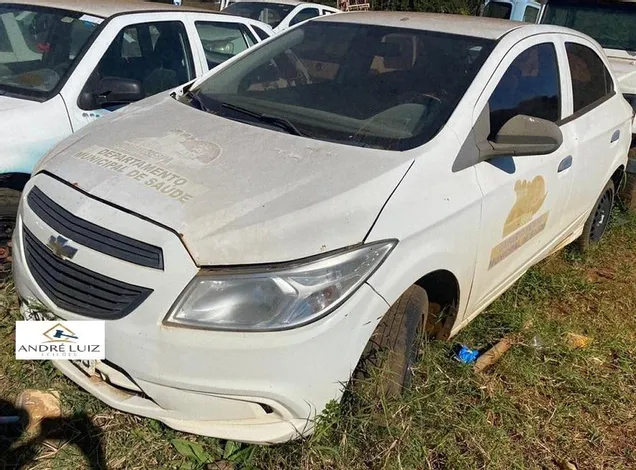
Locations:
(530, 86)
(261, 34)
(321, 77)
(591, 81)
(38, 48)
(531, 14)
(498, 10)
(222, 41)
(269, 13)
(155, 54)
(304, 15)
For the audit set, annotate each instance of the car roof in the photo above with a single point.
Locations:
(105, 8)
(488, 28)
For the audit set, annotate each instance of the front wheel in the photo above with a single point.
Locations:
(9, 201)
(393, 348)
(599, 218)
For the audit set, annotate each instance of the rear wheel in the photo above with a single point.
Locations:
(596, 224)
(393, 348)
(9, 201)
(628, 193)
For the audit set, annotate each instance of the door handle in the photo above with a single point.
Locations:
(565, 164)
(615, 136)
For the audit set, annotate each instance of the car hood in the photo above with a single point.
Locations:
(28, 130)
(235, 193)
(7, 103)
(625, 70)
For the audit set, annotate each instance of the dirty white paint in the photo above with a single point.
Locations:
(30, 129)
(269, 197)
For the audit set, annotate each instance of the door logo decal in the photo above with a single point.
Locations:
(521, 224)
(530, 198)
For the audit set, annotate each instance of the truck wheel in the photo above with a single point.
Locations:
(394, 346)
(9, 201)
(599, 218)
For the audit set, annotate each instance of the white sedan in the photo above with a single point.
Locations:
(279, 14)
(349, 184)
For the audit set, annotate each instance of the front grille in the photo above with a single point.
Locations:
(91, 235)
(77, 289)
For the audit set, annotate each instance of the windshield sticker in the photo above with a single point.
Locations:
(91, 19)
(67, 19)
(520, 223)
(150, 174)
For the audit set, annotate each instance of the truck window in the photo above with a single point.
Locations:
(261, 34)
(611, 24)
(531, 14)
(304, 15)
(156, 54)
(222, 41)
(498, 10)
(591, 81)
(530, 86)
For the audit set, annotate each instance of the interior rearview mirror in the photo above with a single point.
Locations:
(523, 136)
(113, 91)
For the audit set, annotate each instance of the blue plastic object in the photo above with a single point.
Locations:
(466, 355)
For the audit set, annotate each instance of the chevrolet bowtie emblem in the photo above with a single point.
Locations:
(58, 245)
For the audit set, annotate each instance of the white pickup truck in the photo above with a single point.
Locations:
(64, 64)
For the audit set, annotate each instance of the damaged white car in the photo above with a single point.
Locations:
(352, 183)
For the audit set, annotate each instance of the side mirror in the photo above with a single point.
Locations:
(113, 91)
(523, 136)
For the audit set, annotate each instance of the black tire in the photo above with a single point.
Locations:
(599, 218)
(9, 201)
(393, 348)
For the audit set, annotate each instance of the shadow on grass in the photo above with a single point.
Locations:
(18, 450)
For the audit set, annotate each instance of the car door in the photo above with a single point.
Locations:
(521, 207)
(594, 123)
(156, 54)
(222, 40)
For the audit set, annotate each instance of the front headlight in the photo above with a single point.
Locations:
(276, 298)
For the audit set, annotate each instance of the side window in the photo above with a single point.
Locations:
(261, 34)
(304, 15)
(222, 41)
(530, 86)
(531, 14)
(591, 81)
(157, 55)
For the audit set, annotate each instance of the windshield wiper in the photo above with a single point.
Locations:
(281, 122)
(196, 100)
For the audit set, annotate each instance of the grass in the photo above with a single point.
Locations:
(543, 403)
